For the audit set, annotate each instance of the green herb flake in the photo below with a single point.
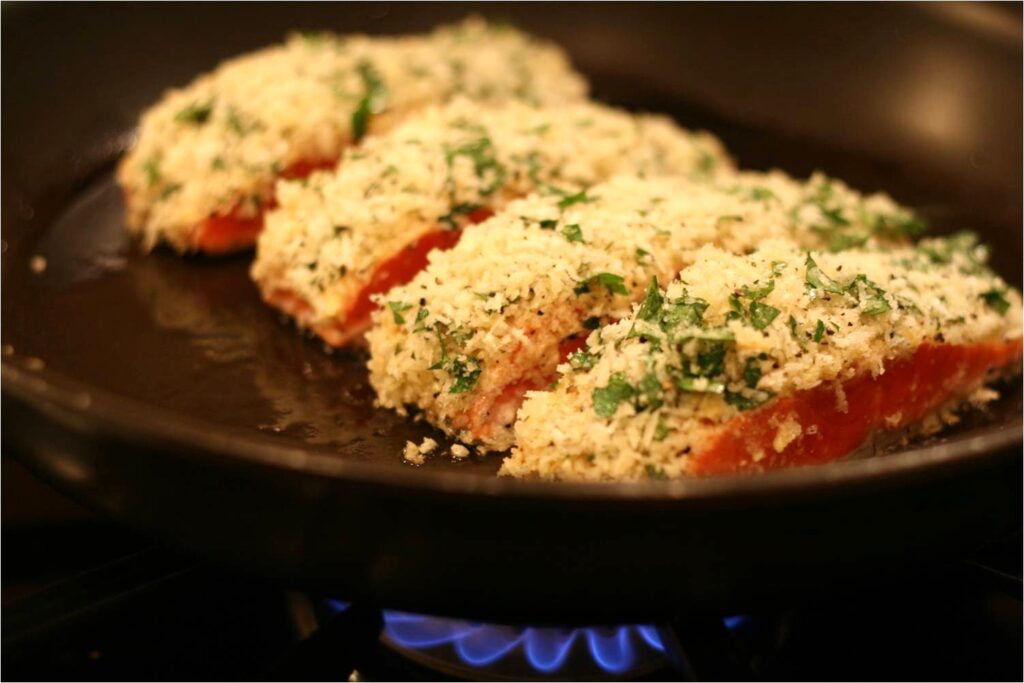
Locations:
(875, 303)
(607, 398)
(758, 293)
(572, 233)
(151, 167)
(655, 472)
(762, 315)
(235, 122)
(195, 113)
(650, 309)
(700, 385)
(748, 399)
(817, 280)
(660, 430)
(615, 284)
(592, 323)
(650, 390)
(466, 373)
(483, 156)
(752, 373)
(170, 190)
(583, 360)
(841, 241)
(899, 226)
(996, 300)
(819, 332)
(578, 198)
(794, 331)
(421, 315)
(373, 101)
(397, 309)
(548, 224)
(761, 194)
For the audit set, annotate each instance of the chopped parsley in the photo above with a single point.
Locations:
(650, 309)
(482, 154)
(817, 281)
(421, 315)
(751, 373)
(996, 300)
(451, 218)
(580, 197)
(899, 226)
(875, 301)
(655, 472)
(747, 400)
(195, 113)
(795, 332)
(583, 360)
(572, 233)
(373, 101)
(465, 370)
(761, 194)
(819, 332)
(151, 167)
(762, 315)
(235, 122)
(397, 309)
(607, 398)
(615, 284)
(466, 373)
(841, 241)
(660, 430)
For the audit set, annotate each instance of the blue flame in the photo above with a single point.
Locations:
(651, 637)
(733, 623)
(613, 652)
(546, 649)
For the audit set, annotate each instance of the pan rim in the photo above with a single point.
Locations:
(59, 398)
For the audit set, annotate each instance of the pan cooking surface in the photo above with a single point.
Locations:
(191, 337)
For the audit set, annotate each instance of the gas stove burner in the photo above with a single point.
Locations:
(476, 650)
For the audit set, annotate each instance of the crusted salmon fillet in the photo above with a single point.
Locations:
(491, 319)
(781, 357)
(342, 237)
(202, 171)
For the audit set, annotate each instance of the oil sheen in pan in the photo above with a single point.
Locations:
(191, 336)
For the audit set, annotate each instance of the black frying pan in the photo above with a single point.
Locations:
(161, 391)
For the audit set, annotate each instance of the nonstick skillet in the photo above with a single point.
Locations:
(161, 391)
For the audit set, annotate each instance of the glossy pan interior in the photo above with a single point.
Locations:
(161, 391)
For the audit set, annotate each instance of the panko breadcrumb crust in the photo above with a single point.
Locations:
(485, 320)
(653, 394)
(216, 146)
(328, 237)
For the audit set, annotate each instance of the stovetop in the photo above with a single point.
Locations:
(85, 600)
